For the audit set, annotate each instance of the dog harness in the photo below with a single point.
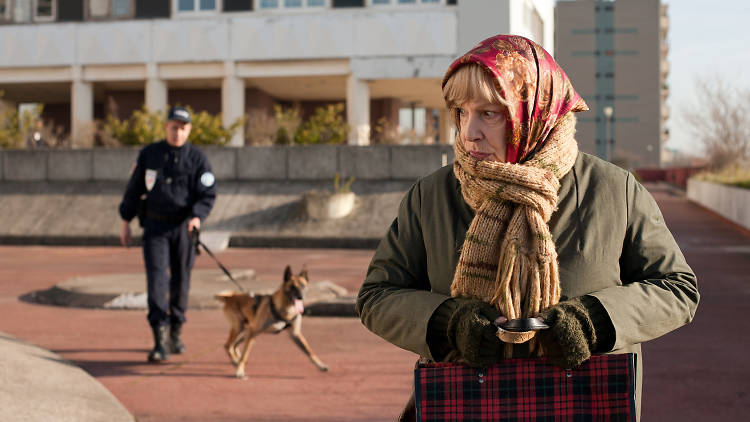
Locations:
(275, 312)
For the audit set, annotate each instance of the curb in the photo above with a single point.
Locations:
(237, 241)
(242, 241)
(56, 296)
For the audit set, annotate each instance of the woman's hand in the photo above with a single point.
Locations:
(571, 336)
(472, 333)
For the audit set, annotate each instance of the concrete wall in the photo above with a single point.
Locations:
(293, 163)
(343, 33)
(730, 202)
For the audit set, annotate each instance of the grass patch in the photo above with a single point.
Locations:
(734, 176)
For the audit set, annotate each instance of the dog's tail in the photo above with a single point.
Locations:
(224, 295)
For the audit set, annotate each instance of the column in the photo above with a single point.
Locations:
(81, 111)
(156, 89)
(233, 103)
(358, 110)
(446, 132)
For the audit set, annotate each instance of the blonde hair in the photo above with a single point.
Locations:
(469, 82)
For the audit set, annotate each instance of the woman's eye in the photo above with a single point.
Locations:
(460, 111)
(490, 114)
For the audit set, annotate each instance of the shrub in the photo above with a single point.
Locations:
(385, 132)
(326, 126)
(15, 127)
(737, 175)
(145, 126)
(288, 121)
(260, 128)
(141, 128)
(208, 129)
(339, 187)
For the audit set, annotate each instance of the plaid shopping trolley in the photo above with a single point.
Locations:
(528, 389)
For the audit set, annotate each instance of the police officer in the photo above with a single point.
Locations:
(171, 190)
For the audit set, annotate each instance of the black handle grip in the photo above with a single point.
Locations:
(523, 324)
(195, 237)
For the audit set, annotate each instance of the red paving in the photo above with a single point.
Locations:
(368, 378)
(698, 373)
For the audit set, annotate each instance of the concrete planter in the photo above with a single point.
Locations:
(730, 202)
(322, 205)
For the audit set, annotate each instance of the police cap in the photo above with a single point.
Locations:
(179, 114)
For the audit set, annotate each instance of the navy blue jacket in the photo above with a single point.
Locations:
(182, 184)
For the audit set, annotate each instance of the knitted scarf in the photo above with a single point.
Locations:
(508, 258)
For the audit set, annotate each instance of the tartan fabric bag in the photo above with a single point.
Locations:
(527, 389)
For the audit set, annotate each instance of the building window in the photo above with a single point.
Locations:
(412, 124)
(110, 8)
(289, 4)
(44, 10)
(4, 10)
(237, 5)
(120, 8)
(400, 2)
(192, 6)
(347, 3)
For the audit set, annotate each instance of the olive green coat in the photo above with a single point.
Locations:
(611, 240)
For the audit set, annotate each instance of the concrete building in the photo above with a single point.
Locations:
(383, 58)
(615, 52)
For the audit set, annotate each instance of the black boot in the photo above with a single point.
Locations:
(178, 347)
(161, 344)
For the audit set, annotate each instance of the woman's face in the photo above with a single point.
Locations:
(483, 129)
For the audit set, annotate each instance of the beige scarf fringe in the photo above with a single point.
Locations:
(513, 203)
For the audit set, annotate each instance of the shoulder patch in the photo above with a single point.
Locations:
(150, 178)
(207, 179)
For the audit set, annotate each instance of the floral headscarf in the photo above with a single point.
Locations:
(536, 89)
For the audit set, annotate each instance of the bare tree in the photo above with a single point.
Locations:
(720, 121)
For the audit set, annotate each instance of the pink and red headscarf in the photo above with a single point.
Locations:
(537, 90)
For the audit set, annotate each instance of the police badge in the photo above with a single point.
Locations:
(207, 179)
(150, 179)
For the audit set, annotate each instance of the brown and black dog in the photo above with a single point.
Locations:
(252, 315)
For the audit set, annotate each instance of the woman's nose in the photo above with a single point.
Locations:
(473, 130)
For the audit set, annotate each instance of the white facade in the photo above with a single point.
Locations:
(353, 54)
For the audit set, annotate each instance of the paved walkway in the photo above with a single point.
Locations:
(696, 373)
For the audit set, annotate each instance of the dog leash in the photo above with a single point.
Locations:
(199, 243)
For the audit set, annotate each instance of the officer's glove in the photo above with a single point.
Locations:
(571, 336)
(472, 334)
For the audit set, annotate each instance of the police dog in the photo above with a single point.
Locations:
(250, 315)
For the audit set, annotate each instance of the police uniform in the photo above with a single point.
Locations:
(168, 187)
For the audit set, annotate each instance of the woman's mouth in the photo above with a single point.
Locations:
(479, 155)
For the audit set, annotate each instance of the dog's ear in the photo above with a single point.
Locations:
(287, 273)
(303, 273)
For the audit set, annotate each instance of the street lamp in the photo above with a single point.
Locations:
(609, 139)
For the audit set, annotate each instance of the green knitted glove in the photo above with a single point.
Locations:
(571, 335)
(472, 334)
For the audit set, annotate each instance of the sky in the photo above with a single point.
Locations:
(706, 38)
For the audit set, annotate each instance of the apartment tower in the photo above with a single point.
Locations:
(615, 53)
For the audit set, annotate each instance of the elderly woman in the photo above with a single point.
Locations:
(523, 224)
